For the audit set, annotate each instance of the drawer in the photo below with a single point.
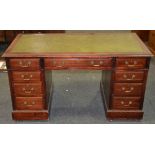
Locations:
(129, 75)
(22, 89)
(129, 63)
(24, 64)
(77, 63)
(29, 103)
(122, 103)
(128, 89)
(26, 76)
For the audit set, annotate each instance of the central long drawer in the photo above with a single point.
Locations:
(105, 63)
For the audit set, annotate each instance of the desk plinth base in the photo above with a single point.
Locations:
(119, 114)
(30, 115)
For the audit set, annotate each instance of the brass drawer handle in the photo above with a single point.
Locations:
(62, 64)
(131, 65)
(126, 105)
(26, 77)
(96, 65)
(29, 104)
(24, 64)
(132, 77)
(128, 91)
(28, 91)
(123, 103)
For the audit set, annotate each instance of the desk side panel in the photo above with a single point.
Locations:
(106, 86)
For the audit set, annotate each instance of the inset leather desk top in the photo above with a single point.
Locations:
(104, 44)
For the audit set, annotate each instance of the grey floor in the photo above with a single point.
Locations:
(77, 99)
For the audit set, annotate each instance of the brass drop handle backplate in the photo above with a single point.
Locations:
(128, 91)
(25, 63)
(126, 77)
(129, 103)
(29, 104)
(28, 91)
(96, 65)
(26, 77)
(131, 65)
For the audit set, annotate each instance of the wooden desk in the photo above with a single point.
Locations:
(122, 58)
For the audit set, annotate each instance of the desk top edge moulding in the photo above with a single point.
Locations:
(122, 57)
(77, 44)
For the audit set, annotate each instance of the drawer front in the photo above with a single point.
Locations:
(126, 103)
(129, 63)
(75, 63)
(29, 103)
(128, 89)
(26, 76)
(129, 76)
(24, 64)
(21, 89)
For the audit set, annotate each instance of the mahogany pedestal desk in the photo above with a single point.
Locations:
(122, 58)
